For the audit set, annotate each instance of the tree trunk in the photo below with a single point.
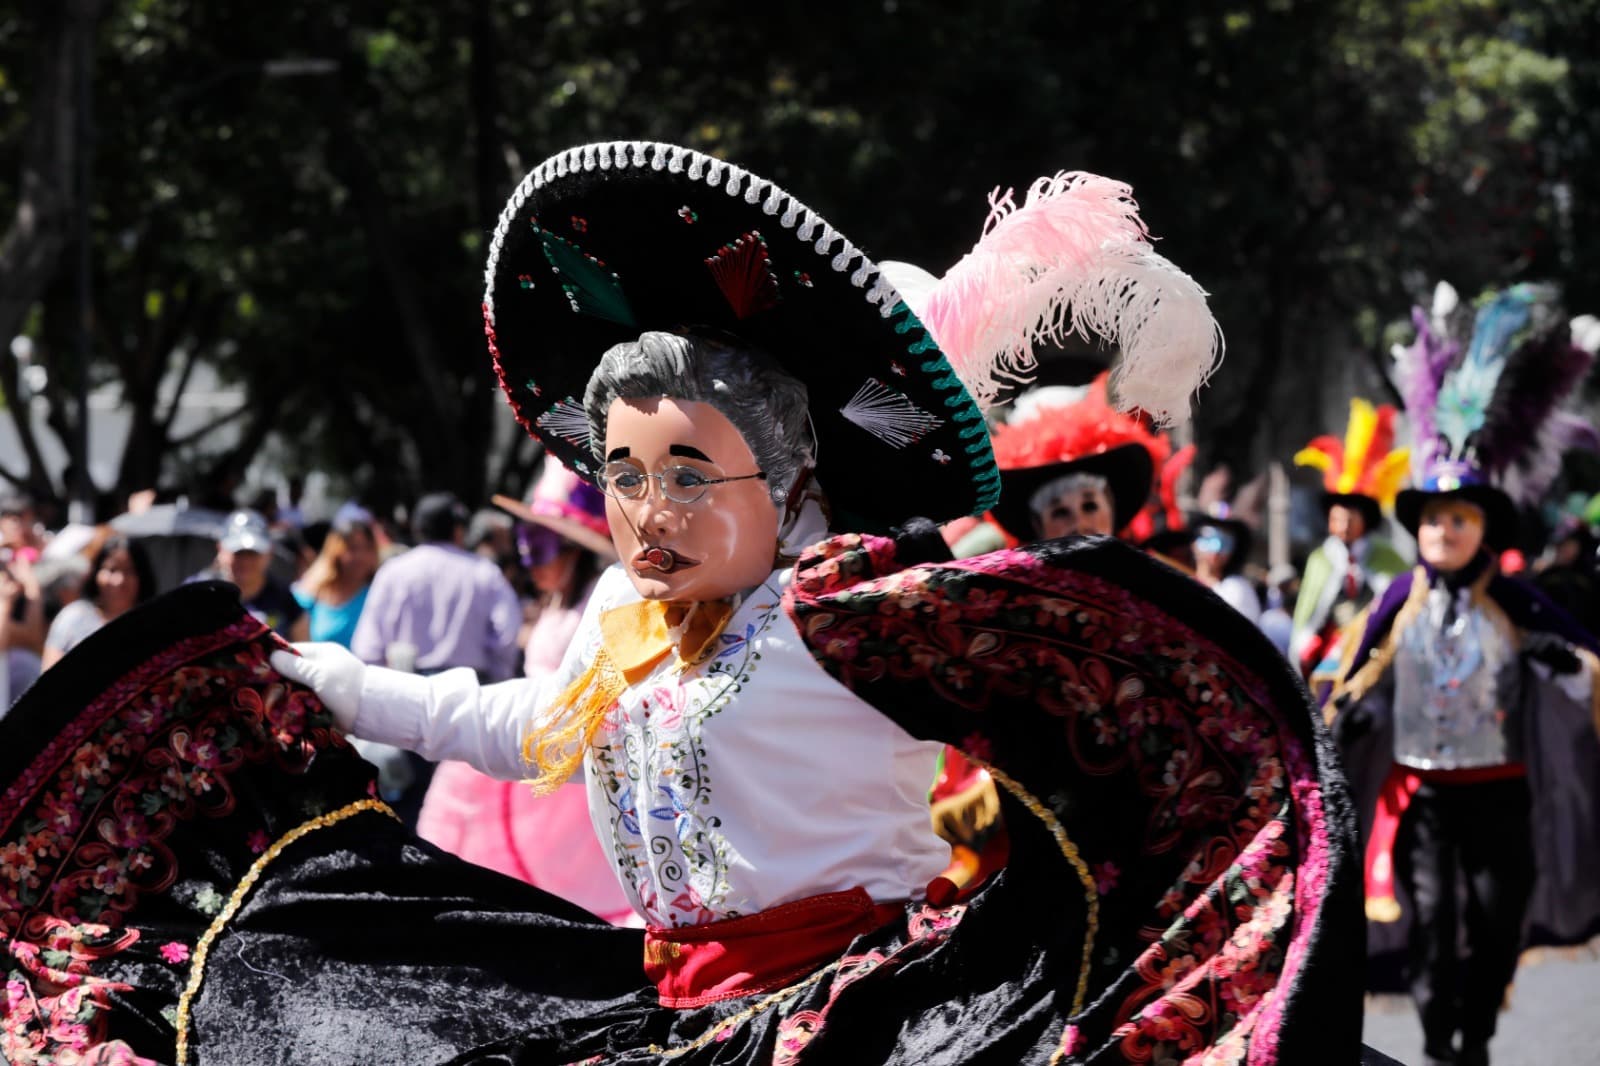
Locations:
(41, 228)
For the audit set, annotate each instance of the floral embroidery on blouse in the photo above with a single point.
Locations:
(653, 765)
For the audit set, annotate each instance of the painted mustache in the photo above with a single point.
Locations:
(662, 560)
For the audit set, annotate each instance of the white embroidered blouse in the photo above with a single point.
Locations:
(749, 780)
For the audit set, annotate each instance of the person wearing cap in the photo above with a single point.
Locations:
(1355, 563)
(1466, 701)
(244, 556)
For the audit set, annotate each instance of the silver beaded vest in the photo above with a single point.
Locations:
(1455, 688)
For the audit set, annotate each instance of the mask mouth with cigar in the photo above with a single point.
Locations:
(661, 560)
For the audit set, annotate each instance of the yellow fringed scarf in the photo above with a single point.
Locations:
(634, 638)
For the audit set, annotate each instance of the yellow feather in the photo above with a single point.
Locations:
(1384, 483)
(1314, 457)
(1357, 440)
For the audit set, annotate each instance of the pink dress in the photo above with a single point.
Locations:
(547, 841)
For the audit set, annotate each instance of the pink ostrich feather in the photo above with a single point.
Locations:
(1074, 259)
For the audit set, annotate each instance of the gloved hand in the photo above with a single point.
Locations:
(1552, 651)
(329, 670)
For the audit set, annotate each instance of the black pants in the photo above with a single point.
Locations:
(1477, 837)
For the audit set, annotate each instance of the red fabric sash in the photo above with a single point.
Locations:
(1395, 797)
(699, 964)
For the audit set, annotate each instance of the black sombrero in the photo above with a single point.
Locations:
(603, 242)
(1127, 470)
(1499, 513)
(1367, 507)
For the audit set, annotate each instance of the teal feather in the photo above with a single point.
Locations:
(1501, 326)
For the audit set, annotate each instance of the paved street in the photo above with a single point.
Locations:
(1554, 1018)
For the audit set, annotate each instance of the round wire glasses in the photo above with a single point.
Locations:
(680, 484)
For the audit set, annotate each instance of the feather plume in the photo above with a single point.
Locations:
(1074, 259)
(1523, 435)
(1419, 372)
(1467, 392)
(1384, 480)
(1358, 434)
(1498, 409)
(1325, 454)
(1087, 427)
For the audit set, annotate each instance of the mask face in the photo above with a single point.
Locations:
(1084, 508)
(1346, 523)
(722, 543)
(1450, 534)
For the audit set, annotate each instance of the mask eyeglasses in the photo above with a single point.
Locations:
(680, 484)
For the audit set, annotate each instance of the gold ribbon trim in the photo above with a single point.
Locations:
(197, 967)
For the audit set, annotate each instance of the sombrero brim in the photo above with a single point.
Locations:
(1369, 507)
(1127, 469)
(604, 242)
(1499, 513)
(570, 528)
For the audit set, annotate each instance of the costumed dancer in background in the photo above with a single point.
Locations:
(546, 840)
(1220, 544)
(757, 731)
(1070, 465)
(1361, 475)
(1080, 468)
(1466, 709)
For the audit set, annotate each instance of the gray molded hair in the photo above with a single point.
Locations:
(766, 405)
(1051, 491)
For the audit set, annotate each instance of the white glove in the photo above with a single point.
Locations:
(329, 670)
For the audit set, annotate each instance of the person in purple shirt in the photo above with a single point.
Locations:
(439, 606)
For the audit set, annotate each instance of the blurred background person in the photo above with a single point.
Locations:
(120, 578)
(433, 608)
(439, 605)
(20, 537)
(333, 590)
(244, 554)
(547, 841)
(21, 630)
(1355, 563)
(1570, 571)
(1220, 547)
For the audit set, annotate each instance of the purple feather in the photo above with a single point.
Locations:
(1538, 375)
(1422, 369)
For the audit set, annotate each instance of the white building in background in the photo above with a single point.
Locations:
(206, 400)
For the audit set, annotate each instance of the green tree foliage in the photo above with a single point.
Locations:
(1314, 163)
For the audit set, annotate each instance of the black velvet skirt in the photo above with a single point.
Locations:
(194, 866)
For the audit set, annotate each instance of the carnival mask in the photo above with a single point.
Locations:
(1450, 534)
(1347, 524)
(1082, 506)
(691, 513)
